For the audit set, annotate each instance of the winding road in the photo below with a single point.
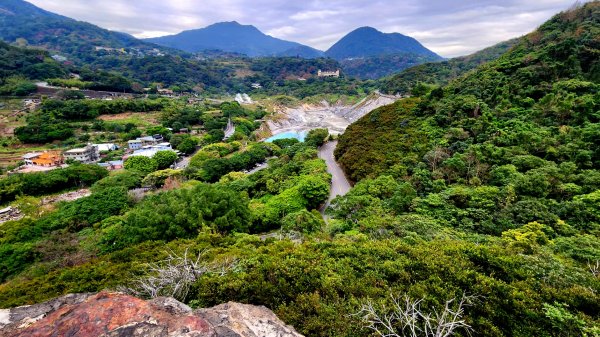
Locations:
(339, 183)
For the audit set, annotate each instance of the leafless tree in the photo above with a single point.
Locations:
(407, 318)
(173, 276)
(595, 268)
(435, 157)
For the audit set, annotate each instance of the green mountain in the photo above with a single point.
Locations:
(440, 73)
(28, 63)
(370, 54)
(548, 79)
(368, 41)
(234, 37)
(27, 24)
(376, 67)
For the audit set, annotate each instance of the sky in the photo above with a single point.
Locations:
(448, 27)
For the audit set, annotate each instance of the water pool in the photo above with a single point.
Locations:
(300, 135)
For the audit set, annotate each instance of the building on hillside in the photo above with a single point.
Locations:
(86, 155)
(45, 159)
(29, 157)
(335, 74)
(140, 142)
(151, 150)
(107, 147)
(113, 165)
(135, 144)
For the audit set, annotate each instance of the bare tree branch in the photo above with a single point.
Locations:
(173, 276)
(407, 319)
(595, 268)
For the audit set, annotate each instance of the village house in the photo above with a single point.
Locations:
(113, 165)
(335, 74)
(106, 147)
(45, 159)
(140, 142)
(88, 154)
(151, 150)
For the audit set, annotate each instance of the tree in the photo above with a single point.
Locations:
(406, 318)
(174, 276)
(188, 145)
(164, 159)
(158, 178)
(316, 137)
(302, 221)
(314, 190)
(141, 164)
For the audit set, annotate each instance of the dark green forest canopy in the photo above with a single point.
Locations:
(488, 186)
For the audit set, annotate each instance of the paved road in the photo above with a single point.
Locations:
(229, 130)
(339, 183)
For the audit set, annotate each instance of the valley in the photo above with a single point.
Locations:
(229, 182)
(335, 117)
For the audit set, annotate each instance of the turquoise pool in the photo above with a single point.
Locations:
(290, 134)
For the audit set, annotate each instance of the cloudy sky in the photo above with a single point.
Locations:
(448, 27)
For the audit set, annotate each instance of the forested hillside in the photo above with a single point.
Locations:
(440, 73)
(22, 22)
(507, 156)
(479, 198)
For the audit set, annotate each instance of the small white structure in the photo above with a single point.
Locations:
(140, 142)
(151, 150)
(29, 157)
(335, 74)
(107, 147)
(135, 144)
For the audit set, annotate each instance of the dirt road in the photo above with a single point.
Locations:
(339, 183)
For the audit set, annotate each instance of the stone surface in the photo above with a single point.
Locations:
(109, 314)
(336, 118)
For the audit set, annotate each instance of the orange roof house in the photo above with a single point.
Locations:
(49, 158)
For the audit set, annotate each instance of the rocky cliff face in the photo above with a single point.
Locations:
(109, 314)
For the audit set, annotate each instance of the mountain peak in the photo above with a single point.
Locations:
(232, 36)
(368, 41)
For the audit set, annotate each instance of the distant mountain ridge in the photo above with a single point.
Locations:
(21, 20)
(368, 41)
(364, 53)
(234, 37)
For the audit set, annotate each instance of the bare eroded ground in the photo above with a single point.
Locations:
(335, 117)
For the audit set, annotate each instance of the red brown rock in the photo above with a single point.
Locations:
(118, 315)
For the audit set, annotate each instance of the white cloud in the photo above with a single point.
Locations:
(312, 15)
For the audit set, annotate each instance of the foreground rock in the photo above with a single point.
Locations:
(118, 315)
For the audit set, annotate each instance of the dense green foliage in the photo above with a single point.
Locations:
(51, 122)
(375, 67)
(35, 184)
(488, 186)
(440, 73)
(28, 63)
(507, 154)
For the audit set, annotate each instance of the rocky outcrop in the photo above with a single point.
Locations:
(110, 314)
(336, 118)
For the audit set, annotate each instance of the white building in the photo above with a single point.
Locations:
(140, 142)
(150, 150)
(88, 154)
(107, 147)
(29, 157)
(335, 74)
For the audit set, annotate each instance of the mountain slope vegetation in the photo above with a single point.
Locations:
(25, 23)
(440, 73)
(486, 188)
